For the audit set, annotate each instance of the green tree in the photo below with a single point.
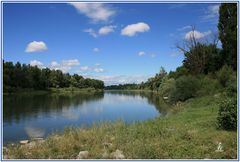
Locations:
(227, 27)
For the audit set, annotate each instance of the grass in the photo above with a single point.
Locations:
(189, 132)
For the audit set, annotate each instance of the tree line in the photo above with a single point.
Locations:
(17, 76)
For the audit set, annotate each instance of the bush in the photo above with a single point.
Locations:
(227, 115)
(231, 86)
(208, 86)
(186, 87)
(224, 75)
(167, 87)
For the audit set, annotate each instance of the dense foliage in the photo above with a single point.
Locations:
(17, 76)
(186, 87)
(227, 27)
(121, 87)
(227, 114)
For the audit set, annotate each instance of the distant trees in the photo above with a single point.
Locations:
(122, 87)
(154, 82)
(26, 76)
(227, 27)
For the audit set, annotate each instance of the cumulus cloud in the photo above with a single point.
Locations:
(196, 34)
(98, 70)
(102, 31)
(36, 46)
(35, 63)
(141, 53)
(72, 62)
(106, 29)
(65, 65)
(96, 49)
(85, 68)
(91, 32)
(89, 69)
(56, 66)
(120, 79)
(133, 29)
(95, 11)
(211, 14)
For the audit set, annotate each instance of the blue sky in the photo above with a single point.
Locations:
(115, 42)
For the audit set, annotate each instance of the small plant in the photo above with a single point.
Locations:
(227, 115)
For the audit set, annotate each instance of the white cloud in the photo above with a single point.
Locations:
(102, 31)
(98, 70)
(36, 46)
(72, 62)
(85, 68)
(36, 63)
(211, 14)
(65, 65)
(95, 11)
(184, 28)
(96, 49)
(91, 32)
(120, 79)
(196, 34)
(106, 29)
(141, 53)
(54, 64)
(132, 29)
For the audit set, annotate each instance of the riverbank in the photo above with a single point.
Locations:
(53, 90)
(188, 132)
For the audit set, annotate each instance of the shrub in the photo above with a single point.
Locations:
(167, 87)
(186, 87)
(231, 86)
(208, 86)
(224, 75)
(227, 115)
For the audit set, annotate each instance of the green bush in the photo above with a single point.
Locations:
(231, 86)
(186, 87)
(227, 115)
(224, 75)
(167, 87)
(208, 86)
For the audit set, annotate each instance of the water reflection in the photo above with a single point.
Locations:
(31, 116)
(152, 98)
(20, 106)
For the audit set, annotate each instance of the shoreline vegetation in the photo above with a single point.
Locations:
(54, 90)
(188, 132)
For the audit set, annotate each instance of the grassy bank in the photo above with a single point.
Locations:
(188, 132)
